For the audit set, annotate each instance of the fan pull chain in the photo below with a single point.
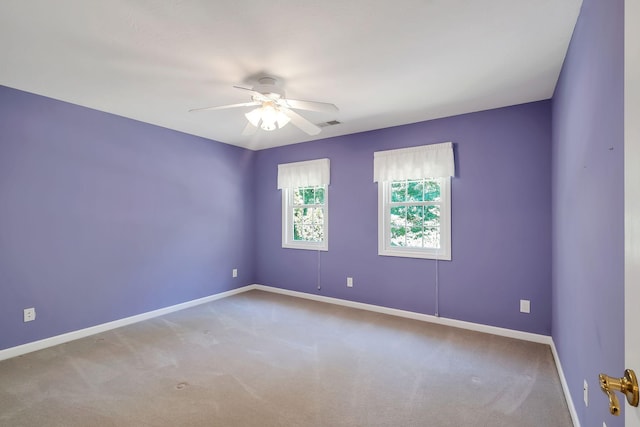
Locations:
(319, 287)
(437, 314)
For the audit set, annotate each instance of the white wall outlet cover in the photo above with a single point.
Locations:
(525, 306)
(350, 282)
(29, 314)
(234, 272)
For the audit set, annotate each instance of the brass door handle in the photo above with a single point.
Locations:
(627, 385)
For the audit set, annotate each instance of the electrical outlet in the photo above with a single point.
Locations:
(29, 314)
(349, 282)
(585, 389)
(234, 272)
(604, 424)
(525, 306)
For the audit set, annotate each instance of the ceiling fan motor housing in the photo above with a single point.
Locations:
(268, 87)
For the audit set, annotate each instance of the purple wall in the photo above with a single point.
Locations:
(588, 206)
(501, 212)
(103, 217)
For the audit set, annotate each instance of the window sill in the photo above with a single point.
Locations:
(306, 246)
(408, 253)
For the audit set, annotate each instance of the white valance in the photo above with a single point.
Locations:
(304, 174)
(426, 161)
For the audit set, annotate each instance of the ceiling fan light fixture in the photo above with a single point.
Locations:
(254, 116)
(269, 117)
(268, 126)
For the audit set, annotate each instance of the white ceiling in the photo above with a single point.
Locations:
(383, 63)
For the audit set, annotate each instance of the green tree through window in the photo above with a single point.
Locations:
(308, 214)
(415, 218)
(305, 218)
(415, 213)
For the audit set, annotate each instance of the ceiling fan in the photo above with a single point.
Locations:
(274, 110)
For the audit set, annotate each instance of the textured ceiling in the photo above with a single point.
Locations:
(383, 63)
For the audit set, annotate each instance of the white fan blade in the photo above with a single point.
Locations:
(249, 130)
(310, 105)
(224, 107)
(244, 88)
(299, 121)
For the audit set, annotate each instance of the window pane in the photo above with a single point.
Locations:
(307, 215)
(397, 236)
(415, 191)
(297, 223)
(398, 226)
(301, 217)
(415, 225)
(312, 233)
(398, 214)
(432, 191)
(432, 216)
(432, 238)
(398, 191)
(307, 232)
(308, 224)
(308, 196)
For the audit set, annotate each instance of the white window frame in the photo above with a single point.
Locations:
(384, 225)
(287, 222)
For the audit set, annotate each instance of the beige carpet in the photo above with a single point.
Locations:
(261, 359)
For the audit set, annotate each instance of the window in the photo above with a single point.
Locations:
(415, 219)
(414, 201)
(305, 221)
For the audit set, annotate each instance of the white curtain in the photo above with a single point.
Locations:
(426, 161)
(304, 174)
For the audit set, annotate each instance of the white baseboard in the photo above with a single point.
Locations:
(565, 387)
(511, 333)
(70, 336)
